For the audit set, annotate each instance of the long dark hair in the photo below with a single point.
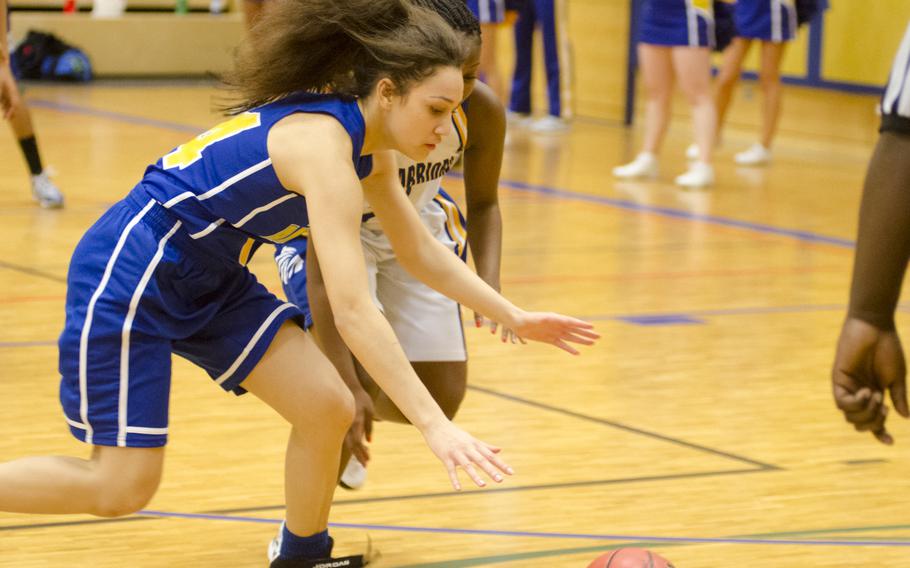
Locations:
(456, 13)
(339, 46)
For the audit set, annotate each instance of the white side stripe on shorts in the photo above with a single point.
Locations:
(75, 424)
(125, 336)
(692, 23)
(777, 32)
(144, 430)
(252, 343)
(87, 326)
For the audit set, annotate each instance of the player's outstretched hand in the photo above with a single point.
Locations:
(555, 329)
(455, 448)
(869, 361)
(361, 430)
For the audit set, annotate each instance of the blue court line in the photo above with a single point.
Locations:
(669, 212)
(544, 535)
(408, 497)
(119, 116)
(617, 317)
(803, 236)
(746, 310)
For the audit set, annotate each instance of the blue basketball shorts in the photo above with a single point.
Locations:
(488, 11)
(137, 291)
(766, 20)
(677, 23)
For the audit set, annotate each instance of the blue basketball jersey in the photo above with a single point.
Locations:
(223, 188)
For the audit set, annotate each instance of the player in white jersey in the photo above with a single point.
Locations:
(870, 359)
(427, 324)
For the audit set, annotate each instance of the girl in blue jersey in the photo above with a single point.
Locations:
(427, 324)
(773, 23)
(675, 41)
(163, 271)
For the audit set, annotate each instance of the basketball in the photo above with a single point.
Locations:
(630, 558)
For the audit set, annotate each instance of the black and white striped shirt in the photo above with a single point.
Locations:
(896, 99)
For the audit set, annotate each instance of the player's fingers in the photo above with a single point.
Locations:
(565, 346)
(478, 320)
(884, 437)
(875, 422)
(578, 339)
(851, 401)
(362, 453)
(867, 414)
(501, 465)
(453, 475)
(469, 468)
(582, 332)
(898, 390)
(485, 465)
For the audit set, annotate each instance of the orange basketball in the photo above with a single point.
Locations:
(630, 558)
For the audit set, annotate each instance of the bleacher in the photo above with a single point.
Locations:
(150, 39)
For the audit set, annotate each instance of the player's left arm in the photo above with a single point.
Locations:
(435, 265)
(482, 162)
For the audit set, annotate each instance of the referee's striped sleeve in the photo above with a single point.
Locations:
(896, 98)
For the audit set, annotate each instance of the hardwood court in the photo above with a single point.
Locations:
(701, 426)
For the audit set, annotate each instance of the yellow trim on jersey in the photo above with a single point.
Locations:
(706, 5)
(457, 230)
(288, 233)
(460, 120)
(246, 251)
(187, 154)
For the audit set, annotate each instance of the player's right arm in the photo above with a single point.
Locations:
(311, 156)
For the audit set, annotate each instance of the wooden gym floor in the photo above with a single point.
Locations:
(701, 426)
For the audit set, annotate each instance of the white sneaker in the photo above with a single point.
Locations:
(549, 125)
(518, 119)
(755, 155)
(45, 192)
(354, 475)
(275, 546)
(644, 165)
(692, 152)
(700, 174)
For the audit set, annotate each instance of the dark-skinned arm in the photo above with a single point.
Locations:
(482, 163)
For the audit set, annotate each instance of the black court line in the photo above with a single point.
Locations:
(32, 272)
(411, 497)
(632, 429)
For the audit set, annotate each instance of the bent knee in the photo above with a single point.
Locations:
(121, 499)
(332, 407)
